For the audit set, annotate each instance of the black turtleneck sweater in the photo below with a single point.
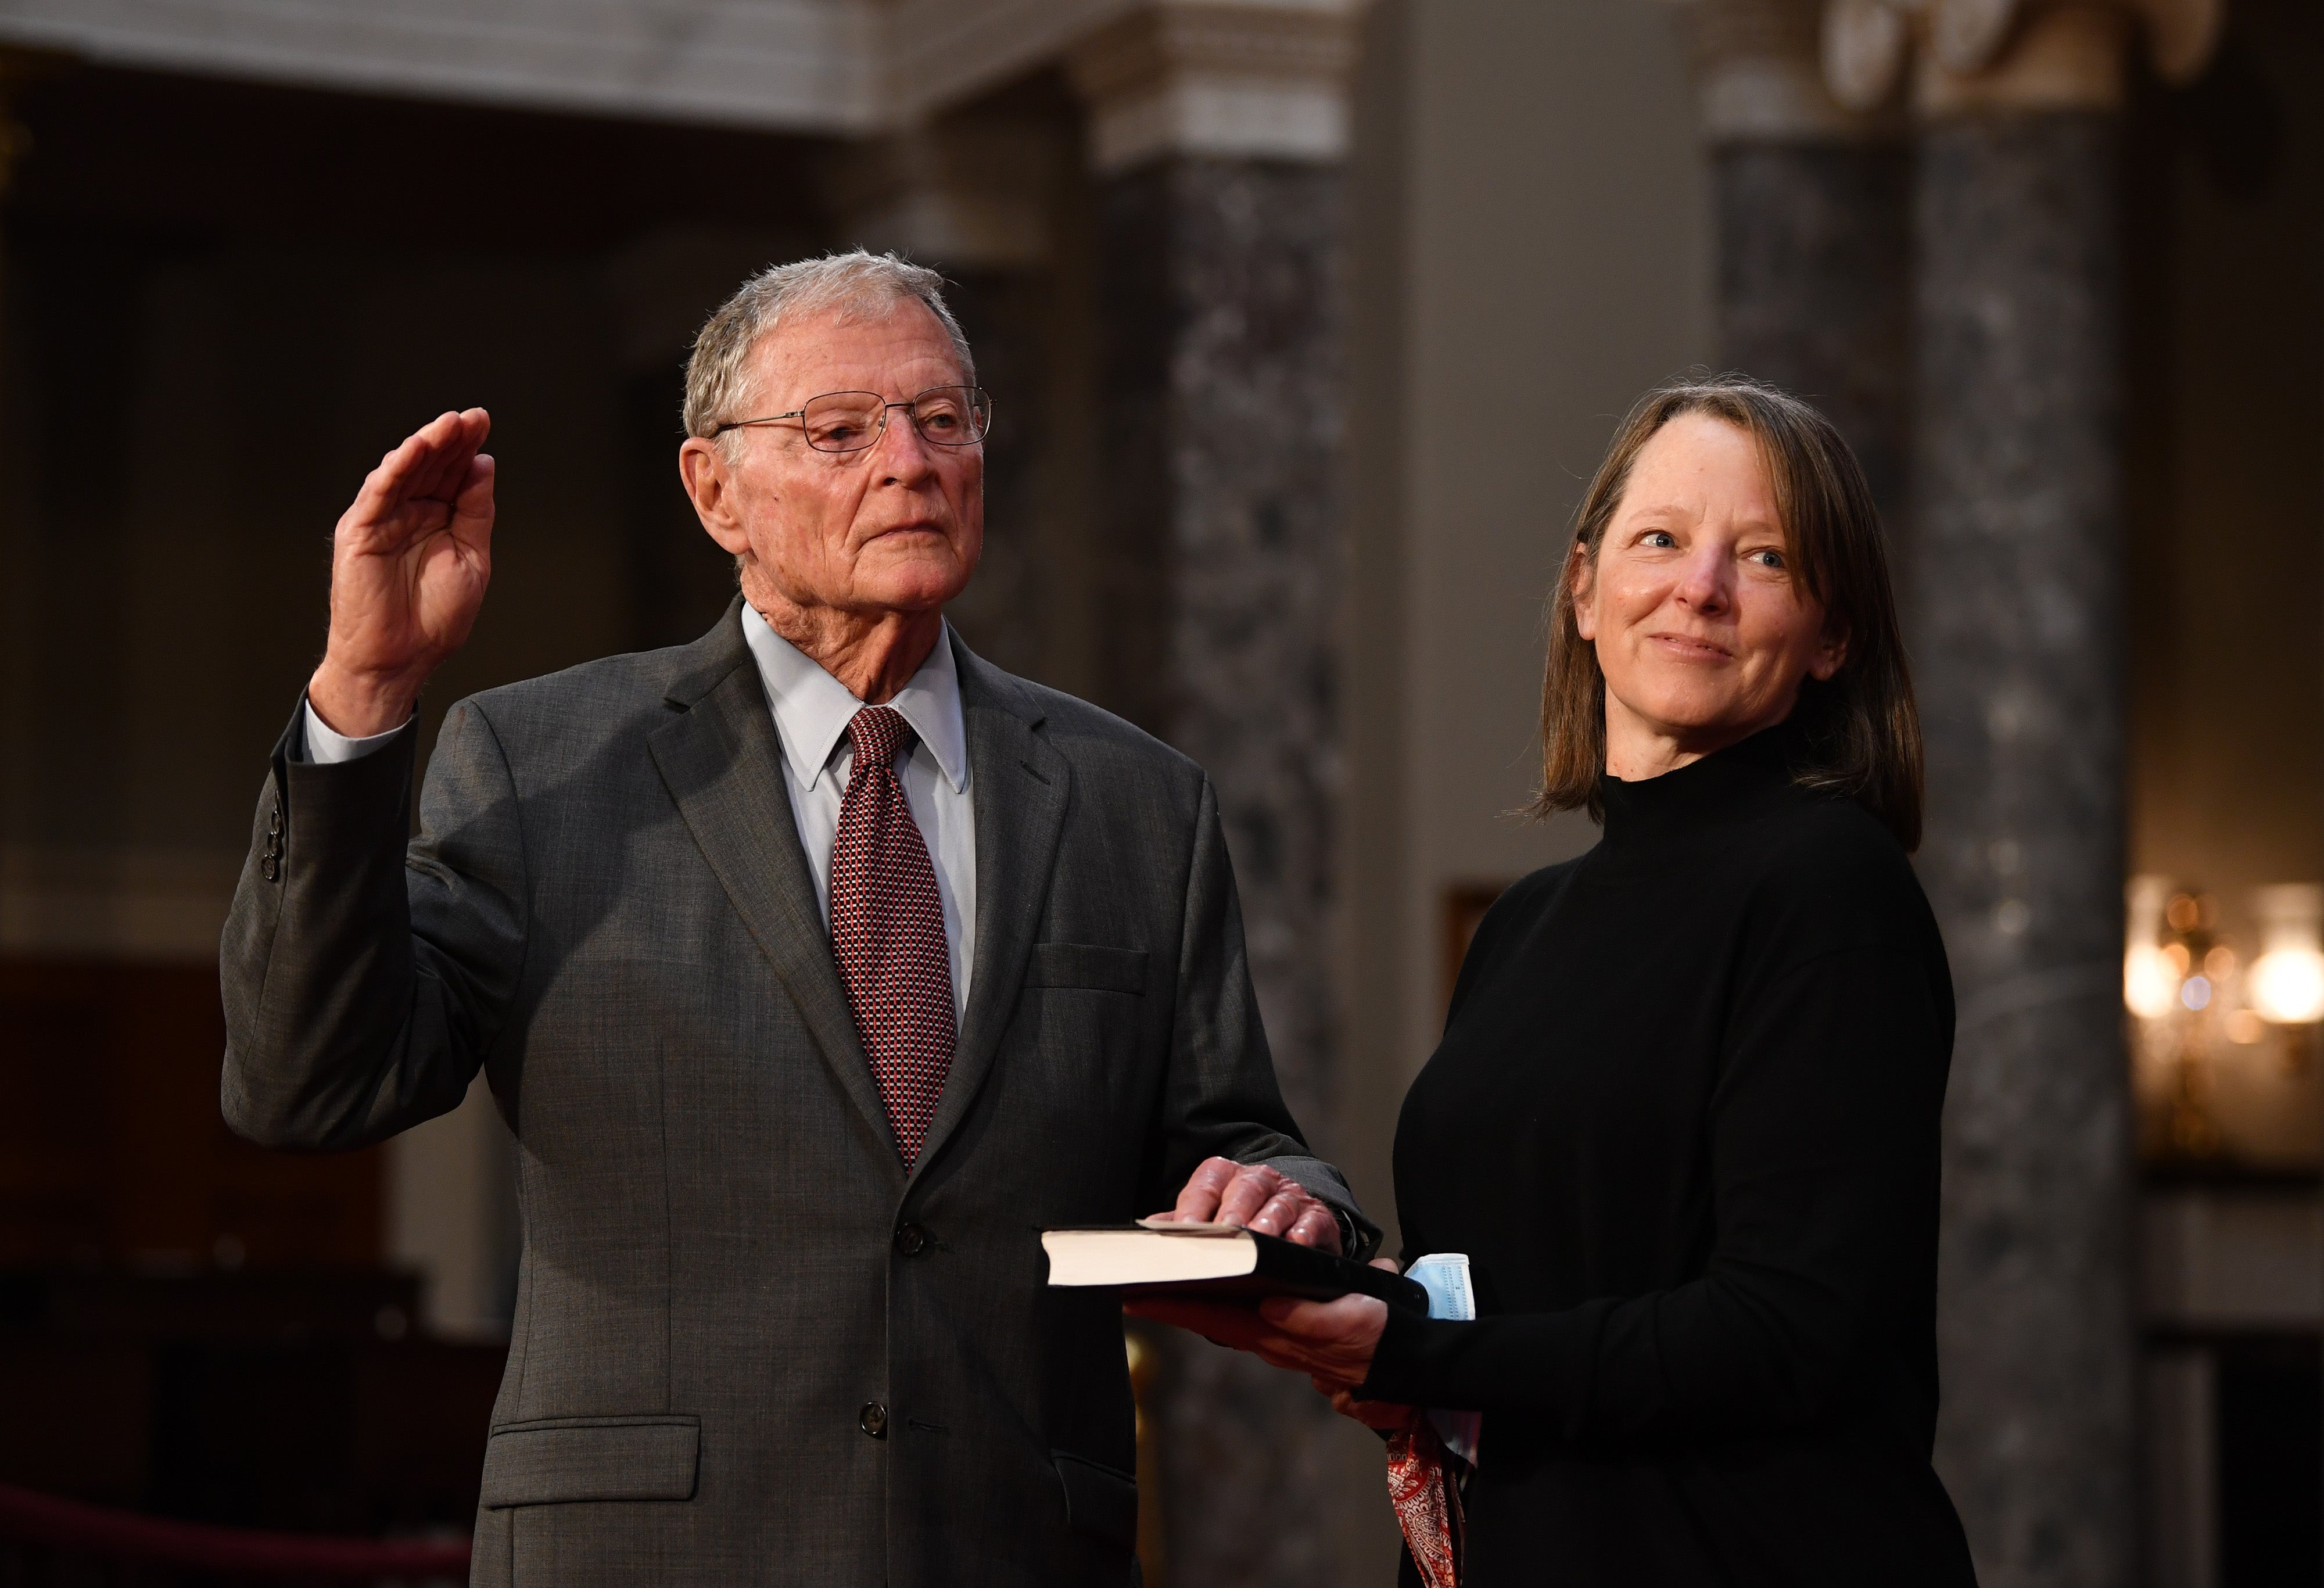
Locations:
(1684, 1121)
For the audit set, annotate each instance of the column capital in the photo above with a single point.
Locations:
(964, 192)
(1965, 56)
(1265, 80)
(1760, 78)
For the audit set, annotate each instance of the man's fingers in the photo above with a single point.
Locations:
(451, 440)
(1279, 1212)
(472, 509)
(1247, 1193)
(434, 462)
(1317, 1227)
(1198, 1203)
(387, 484)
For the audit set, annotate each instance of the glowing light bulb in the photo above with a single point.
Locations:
(2286, 985)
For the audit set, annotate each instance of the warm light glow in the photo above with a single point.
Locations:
(2286, 985)
(2149, 985)
(2245, 1028)
(2174, 954)
(2220, 963)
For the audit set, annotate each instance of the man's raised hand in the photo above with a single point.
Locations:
(409, 562)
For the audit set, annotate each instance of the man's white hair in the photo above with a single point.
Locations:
(855, 285)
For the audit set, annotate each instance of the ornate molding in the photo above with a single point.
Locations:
(1265, 78)
(1759, 79)
(1245, 79)
(963, 193)
(1967, 55)
(809, 65)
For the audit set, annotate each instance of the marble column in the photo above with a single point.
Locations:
(1812, 202)
(975, 198)
(2016, 470)
(1217, 135)
(2024, 690)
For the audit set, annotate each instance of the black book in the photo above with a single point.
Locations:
(1208, 1263)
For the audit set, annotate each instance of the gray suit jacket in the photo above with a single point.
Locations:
(749, 1347)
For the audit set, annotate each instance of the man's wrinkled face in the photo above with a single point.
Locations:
(897, 526)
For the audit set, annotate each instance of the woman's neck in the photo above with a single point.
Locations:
(1639, 748)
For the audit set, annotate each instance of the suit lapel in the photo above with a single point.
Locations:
(722, 763)
(1019, 786)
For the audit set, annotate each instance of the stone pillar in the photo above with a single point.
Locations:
(975, 199)
(1812, 201)
(1217, 135)
(2017, 471)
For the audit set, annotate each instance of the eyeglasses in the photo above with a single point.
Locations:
(849, 421)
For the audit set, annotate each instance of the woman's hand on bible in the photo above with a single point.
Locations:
(1330, 1341)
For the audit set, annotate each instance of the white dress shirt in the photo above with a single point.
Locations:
(812, 710)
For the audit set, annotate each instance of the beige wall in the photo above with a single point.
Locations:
(1532, 253)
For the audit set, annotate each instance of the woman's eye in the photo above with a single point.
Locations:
(1661, 540)
(1768, 559)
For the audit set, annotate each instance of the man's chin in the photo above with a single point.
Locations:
(914, 583)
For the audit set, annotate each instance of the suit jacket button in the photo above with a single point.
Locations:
(911, 1239)
(268, 871)
(873, 1419)
(274, 820)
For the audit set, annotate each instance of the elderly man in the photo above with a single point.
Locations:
(817, 966)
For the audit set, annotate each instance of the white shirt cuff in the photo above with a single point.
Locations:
(326, 748)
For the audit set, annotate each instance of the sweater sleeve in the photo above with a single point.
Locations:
(1824, 1177)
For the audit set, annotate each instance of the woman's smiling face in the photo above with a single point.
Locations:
(1700, 622)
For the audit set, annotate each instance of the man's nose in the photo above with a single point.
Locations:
(901, 455)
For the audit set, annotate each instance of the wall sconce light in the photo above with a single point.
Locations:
(2285, 984)
(2150, 977)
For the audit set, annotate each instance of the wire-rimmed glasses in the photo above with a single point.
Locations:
(849, 421)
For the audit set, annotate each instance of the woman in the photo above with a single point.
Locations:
(1683, 1117)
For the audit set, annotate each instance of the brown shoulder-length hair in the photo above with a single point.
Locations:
(1864, 731)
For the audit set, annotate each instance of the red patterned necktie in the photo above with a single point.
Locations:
(887, 932)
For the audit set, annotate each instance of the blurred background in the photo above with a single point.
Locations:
(1306, 322)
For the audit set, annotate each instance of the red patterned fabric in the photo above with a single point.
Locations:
(1427, 1504)
(888, 934)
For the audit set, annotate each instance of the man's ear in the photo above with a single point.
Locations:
(710, 486)
(1581, 581)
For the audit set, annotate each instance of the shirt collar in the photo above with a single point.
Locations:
(812, 708)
